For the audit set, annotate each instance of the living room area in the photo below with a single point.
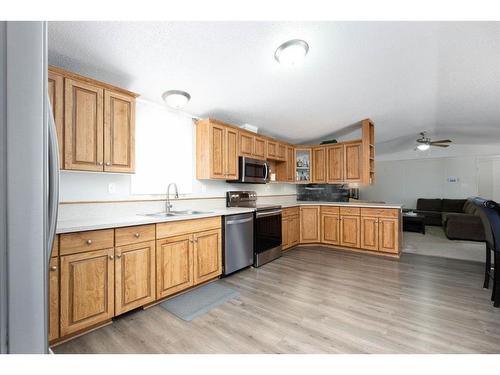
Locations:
(434, 186)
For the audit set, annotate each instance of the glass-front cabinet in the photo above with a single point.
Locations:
(303, 165)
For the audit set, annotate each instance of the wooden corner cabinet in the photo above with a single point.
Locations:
(216, 151)
(95, 123)
(309, 224)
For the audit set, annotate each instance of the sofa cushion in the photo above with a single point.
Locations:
(424, 204)
(470, 208)
(453, 205)
(463, 227)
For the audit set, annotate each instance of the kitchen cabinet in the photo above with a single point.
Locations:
(369, 233)
(54, 293)
(95, 123)
(352, 162)
(207, 255)
(302, 168)
(119, 132)
(87, 289)
(253, 146)
(286, 169)
(389, 233)
(216, 151)
(290, 227)
(319, 165)
(174, 265)
(335, 164)
(309, 224)
(135, 281)
(330, 225)
(56, 97)
(380, 229)
(259, 148)
(272, 150)
(349, 226)
(282, 151)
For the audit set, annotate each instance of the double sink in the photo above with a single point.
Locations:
(178, 213)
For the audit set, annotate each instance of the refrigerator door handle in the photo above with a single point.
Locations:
(53, 178)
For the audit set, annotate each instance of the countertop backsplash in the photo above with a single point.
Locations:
(323, 193)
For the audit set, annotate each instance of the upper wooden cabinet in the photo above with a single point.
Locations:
(335, 164)
(282, 156)
(272, 150)
(252, 145)
(319, 160)
(259, 151)
(216, 151)
(95, 123)
(352, 162)
(56, 97)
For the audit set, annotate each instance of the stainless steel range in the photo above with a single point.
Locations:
(267, 225)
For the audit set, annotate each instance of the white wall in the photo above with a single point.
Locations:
(89, 186)
(403, 181)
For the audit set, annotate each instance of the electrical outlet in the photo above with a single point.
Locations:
(111, 188)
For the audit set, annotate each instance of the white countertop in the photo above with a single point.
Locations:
(79, 225)
(94, 223)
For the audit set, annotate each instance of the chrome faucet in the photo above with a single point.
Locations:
(168, 206)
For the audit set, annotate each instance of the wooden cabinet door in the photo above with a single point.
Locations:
(231, 154)
(319, 165)
(56, 97)
(349, 231)
(83, 126)
(54, 299)
(246, 142)
(272, 150)
(259, 151)
(388, 235)
(285, 239)
(294, 231)
(352, 162)
(119, 132)
(207, 255)
(309, 224)
(335, 164)
(87, 290)
(369, 233)
(290, 164)
(330, 229)
(282, 151)
(134, 276)
(217, 144)
(174, 265)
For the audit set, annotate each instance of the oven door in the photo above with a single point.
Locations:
(267, 230)
(253, 170)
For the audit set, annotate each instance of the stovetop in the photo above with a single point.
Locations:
(247, 199)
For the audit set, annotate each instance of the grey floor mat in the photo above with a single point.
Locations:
(198, 301)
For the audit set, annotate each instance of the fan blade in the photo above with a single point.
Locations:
(432, 144)
(442, 141)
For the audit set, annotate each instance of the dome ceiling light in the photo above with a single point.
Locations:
(292, 52)
(176, 99)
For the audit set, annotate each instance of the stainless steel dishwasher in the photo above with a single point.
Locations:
(238, 242)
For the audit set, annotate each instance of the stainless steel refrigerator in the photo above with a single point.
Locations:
(29, 179)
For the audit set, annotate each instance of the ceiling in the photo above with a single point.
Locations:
(443, 77)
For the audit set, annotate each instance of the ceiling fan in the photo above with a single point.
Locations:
(424, 143)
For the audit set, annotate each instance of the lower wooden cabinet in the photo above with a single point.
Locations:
(309, 224)
(54, 299)
(207, 255)
(369, 233)
(87, 289)
(388, 233)
(135, 281)
(290, 228)
(330, 227)
(174, 265)
(349, 231)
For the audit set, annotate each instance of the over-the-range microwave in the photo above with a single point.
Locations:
(252, 171)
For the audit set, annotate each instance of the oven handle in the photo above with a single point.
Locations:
(270, 213)
(240, 221)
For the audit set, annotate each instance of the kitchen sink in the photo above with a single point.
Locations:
(178, 213)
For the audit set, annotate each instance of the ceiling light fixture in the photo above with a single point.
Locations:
(176, 99)
(291, 52)
(423, 147)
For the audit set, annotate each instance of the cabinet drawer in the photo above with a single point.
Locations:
(177, 228)
(291, 211)
(349, 210)
(136, 234)
(79, 242)
(330, 210)
(380, 212)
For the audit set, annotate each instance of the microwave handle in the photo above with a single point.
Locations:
(267, 171)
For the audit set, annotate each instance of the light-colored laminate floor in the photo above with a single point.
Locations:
(318, 300)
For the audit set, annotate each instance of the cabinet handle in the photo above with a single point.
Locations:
(53, 268)
(118, 256)
(100, 163)
(111, 257)
(136, 235)
(89, 242)
(108, 163)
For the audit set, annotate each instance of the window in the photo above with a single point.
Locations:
(164, 150)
